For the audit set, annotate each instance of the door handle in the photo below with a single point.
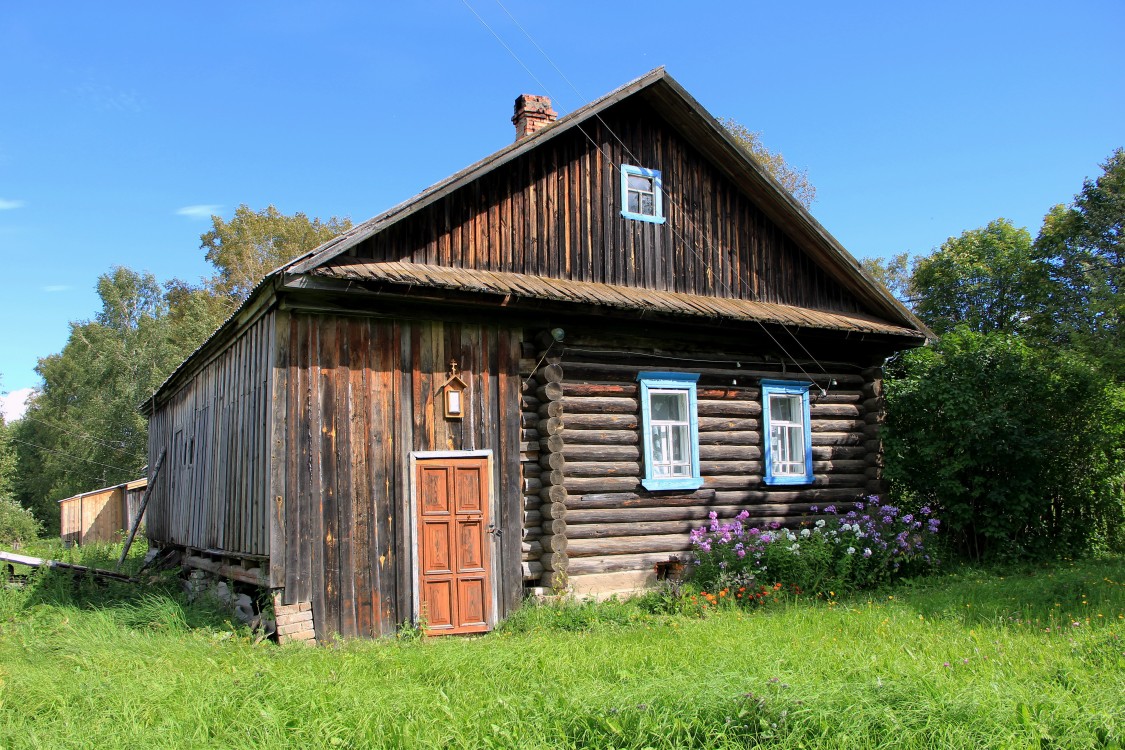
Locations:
(494, 530)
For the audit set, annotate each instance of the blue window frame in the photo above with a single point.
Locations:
(785, 424)
(670, 430)
(641, 194)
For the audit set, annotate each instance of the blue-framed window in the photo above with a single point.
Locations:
(641, 194)
(670, 430)
(785, 423)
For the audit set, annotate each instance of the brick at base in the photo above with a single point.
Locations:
(294, 622)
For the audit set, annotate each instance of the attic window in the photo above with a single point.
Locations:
(641, 195)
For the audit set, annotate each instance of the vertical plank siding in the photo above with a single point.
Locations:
(211, 494)
(559, 209)
(361, 394)
(100, 515)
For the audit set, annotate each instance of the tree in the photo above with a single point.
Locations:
(194, 313)
(1021, 448)
(796, 181)
(1083, 245)
(7, 461)
(83, 430)
(895, 273)
(987, 279)
(253, 243)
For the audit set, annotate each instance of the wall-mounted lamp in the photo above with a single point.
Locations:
(453, 391)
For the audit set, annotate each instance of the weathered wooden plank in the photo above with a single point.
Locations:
(278, 399)
(345, 511)
(329, 538)
(314, 530)
(511, 502)
(382, 557)
(627, 545)
(402, 550)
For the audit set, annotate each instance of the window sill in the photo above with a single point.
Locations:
(688, 483)
(788, 480)
(643, 217)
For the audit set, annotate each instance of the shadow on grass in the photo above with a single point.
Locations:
(155, 602)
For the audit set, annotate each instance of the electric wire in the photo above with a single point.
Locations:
(71, 455)
(680, 358)
(673, 200)
(83, 436)
(690, 245)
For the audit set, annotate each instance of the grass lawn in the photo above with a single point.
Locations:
(1024, 658)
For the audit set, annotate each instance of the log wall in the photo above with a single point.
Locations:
(359, 394)
(591, 457)
(212, 493)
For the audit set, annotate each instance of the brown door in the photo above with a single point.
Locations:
(453, 551)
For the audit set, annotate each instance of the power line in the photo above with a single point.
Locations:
(84, 436)
(71, 455)
(672, 199)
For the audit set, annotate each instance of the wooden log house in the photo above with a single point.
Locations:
(540, 372)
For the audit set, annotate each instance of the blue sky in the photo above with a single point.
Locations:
(123, 126)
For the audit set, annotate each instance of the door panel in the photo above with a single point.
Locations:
(435, 549)
(471, 602)
(438, 604)
(453, 544)
(434, 490)
(470, 536)
(468, 488)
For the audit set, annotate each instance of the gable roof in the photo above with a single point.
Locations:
(683, 112)
(687, 115)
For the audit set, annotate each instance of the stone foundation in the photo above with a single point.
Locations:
(294, 621)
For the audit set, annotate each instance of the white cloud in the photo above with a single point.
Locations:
(14, 404)
(202, 211)
(8, 205)
(57, 288)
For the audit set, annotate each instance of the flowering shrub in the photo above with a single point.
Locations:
(866, 546)
(754, 595)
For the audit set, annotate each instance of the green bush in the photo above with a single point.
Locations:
(17, 524)
(1019, 449)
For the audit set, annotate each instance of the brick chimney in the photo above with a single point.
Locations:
(532, 113)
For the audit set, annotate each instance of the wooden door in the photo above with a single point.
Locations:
(454, 567)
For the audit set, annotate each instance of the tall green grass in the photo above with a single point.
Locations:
(1031, 657)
